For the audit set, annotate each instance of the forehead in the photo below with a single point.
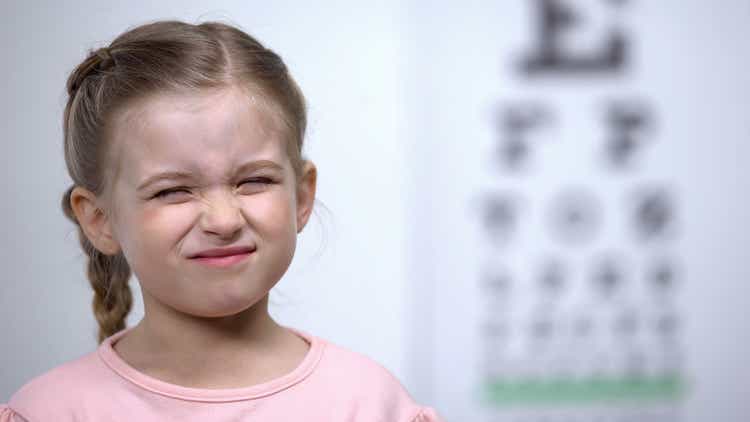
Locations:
(206, 132)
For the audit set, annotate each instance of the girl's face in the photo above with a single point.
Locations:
(236, 188)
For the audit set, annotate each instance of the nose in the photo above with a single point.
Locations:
(221, 215)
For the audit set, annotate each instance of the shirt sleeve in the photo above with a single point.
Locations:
(8, 415)
(425, 414)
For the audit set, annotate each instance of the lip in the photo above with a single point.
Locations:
(223, 261)
(223, 252)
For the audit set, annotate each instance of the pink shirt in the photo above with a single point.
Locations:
(331, 384)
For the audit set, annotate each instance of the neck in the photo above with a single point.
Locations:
(169, 331)
(221, 352)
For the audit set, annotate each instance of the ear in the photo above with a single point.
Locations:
(94, 221)
(306, 193)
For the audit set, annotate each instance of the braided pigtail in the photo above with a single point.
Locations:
(113, 298)
(108, 276)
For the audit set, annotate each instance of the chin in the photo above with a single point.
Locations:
(222, 310)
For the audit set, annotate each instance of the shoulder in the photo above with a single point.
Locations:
(349, 366)
(55, 393)
(365, 387)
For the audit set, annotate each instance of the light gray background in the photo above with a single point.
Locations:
(388, 87)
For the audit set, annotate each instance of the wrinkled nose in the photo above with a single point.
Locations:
(221, 215)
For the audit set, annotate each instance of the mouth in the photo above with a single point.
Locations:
(219, 252)
(223, 258)
(222, 261)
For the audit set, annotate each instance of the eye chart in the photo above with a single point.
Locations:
(551, 208)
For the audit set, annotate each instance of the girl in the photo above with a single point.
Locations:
(184, 143)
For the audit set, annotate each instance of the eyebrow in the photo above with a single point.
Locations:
(180, 175)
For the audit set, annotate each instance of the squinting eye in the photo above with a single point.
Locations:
(258, 180)
(166, 192)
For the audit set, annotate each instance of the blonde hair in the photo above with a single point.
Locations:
(159, 57)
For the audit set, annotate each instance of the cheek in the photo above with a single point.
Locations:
(166, 216)
(273, 222)
(273, 213)
(150, 230)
